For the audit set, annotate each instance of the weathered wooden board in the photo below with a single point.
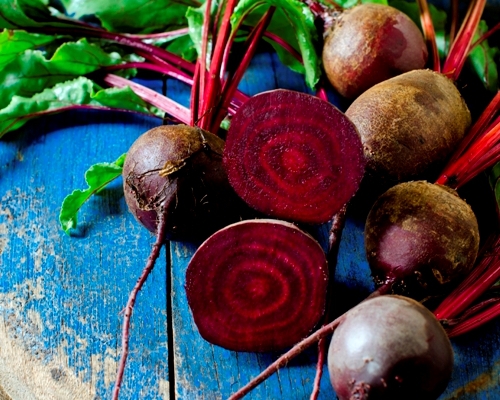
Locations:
(61, 296)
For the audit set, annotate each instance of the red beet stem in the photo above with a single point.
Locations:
(461, 46)
(283, 43)
(155, 253)
(214, 80)
(454, 20)
(171, 107)
(483, 276)
(486, 35)
(334, 236)
(476, 321)
(429, 33)
(284, 359)
(233, 81)
(481, 155)
(163, 69)
(322, 351)
(476, 151)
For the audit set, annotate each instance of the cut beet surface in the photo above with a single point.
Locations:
(293, 156)
(257, 286)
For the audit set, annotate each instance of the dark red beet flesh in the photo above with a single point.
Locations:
(390, 348)
(420, 237)
(293, 156)
(257, 286)
(369, 44)
(183, 163)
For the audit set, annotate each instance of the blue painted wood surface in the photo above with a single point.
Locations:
(61, 296)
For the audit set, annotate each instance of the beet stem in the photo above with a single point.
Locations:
(486, 35)
(213, 85)
(429, 33)
(484, 275)
(171, 107)
(478, 320)
(477, 136)
(454, 20)
(334, 237)
(322, 349)
(286, 357)
(461, 46)
(155, 253)
(232, 82)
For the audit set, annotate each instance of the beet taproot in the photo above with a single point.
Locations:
(293, 156)
(409, 124)
(388, 348)
(184, 163)
(368, 44)
(257, 285)
(420, 237)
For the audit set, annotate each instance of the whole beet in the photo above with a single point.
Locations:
(180, 166)
(368, 44)
(409, 124)
(388, 348)
(420, 236)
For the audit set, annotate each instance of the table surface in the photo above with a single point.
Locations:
(61, 296)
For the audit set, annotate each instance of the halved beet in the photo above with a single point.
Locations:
(257, 285)
(293, 156)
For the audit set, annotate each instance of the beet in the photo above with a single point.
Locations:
(368, 44)
(420, 236)
(182, 163)
(293, 156)
(409, 124)
(257, 285)
(389, 347)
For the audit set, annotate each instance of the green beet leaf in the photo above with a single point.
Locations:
(132, 16)
(97, 177)
(293, 22)
(13, 43)
(77, 93)
(30, 72)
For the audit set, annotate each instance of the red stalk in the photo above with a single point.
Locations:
(454, 20)
(483, 276)
(232, 82)
(286, 357)
(478, 320)
(124, 40)
(429, 33)
(171, 107)
(155, 253)
(486, 35)
(468, 155)
(235, 29)
(213, 86)
(322, 349)
(284, 44)
(461, 46)
(163, 68)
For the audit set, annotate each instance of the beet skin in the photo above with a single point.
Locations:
(390, 348)
(369, 44)
(181, 166)
(420, 236)
(409, 124)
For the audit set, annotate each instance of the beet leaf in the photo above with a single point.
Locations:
(97, 177)
(78, 93)
(31, 72)
(292, 21)
(14, 43)
(132, 15)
